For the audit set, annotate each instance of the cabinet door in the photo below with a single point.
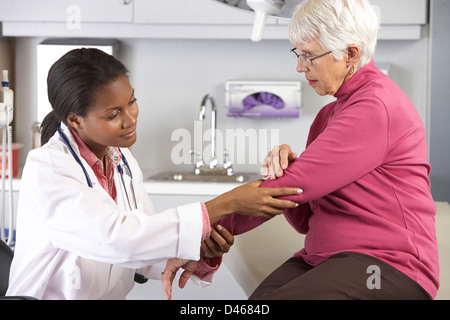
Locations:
(66, 10)
(395, 12)
(189, 12)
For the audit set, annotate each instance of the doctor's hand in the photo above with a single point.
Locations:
(218, 243)
(250, 199)
(172, 267)
(277, 161)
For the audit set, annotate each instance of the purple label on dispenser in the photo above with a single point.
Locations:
(263, 99)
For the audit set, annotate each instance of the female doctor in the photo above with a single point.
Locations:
(85, 223)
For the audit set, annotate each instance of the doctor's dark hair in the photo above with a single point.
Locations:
(73, 82)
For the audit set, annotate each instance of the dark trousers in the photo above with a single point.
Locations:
(346, 275)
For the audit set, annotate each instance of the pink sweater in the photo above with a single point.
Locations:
(364, 173)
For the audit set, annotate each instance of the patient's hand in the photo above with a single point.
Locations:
(172, 267)
(218, 243)
(277, 161)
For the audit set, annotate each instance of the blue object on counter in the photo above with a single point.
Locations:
(13, 243)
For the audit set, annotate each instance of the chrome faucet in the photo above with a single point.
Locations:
(201, 116)
(213, 167)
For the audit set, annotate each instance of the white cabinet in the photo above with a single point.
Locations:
(401, 19)
(66, 10)
(406, 12)
(189, 12)
(175, 19)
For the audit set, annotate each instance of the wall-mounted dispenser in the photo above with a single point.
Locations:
(263, 99)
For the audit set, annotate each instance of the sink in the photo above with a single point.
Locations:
(191, 176)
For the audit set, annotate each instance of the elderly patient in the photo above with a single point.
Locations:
(366, 206)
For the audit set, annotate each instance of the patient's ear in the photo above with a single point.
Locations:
(353, 53)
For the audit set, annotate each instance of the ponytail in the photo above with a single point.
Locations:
(48, 127)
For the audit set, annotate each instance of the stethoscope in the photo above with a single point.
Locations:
(119, 168)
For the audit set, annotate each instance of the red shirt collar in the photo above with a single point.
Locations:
(113, 158)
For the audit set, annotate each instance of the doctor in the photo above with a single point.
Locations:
(85, 223)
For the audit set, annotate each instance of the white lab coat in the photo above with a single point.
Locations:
(75, 242)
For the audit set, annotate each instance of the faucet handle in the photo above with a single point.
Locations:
(226, 160)
(194, 152)
(198, 161)
(213, 163)
(227, 163)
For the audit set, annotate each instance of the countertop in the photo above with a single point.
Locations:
(188, 188)
(168, 187)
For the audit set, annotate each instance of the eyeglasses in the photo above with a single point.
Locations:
(308, 61)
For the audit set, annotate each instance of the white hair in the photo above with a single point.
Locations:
(335, 24)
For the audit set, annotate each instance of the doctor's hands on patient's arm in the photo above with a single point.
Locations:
(249, 199)
(219, 242)
(277, 161)
(172, 267)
